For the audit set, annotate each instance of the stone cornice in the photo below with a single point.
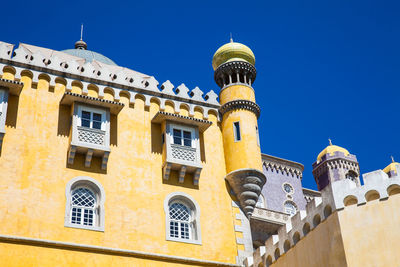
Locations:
(334, 163)
(241, 104)
(108, 250)
(114, 78)
(283, 165)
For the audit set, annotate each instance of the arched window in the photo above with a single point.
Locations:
(352, 175)
(180, 222)
(85, 204)
(182, 218)
(290, 208)
(260, 202)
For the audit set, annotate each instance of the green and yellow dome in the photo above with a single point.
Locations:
(391, 167)
(233, 52)
(331, 149)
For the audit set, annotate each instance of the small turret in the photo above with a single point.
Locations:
(233, 64)
(391, 169)
(335, 163)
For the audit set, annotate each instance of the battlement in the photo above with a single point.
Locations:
(334, 198)
(59, 67)
(285, 166)
(338, 159)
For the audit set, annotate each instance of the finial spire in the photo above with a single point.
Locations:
(231, 38)
(392, 159)
(330, 141)
(81, 44)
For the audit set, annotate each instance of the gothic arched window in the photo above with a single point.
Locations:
(83, 207)
(290, 208)
(180, 223)
(182, 216)
(85, 204)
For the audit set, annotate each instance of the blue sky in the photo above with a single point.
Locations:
(326, 69)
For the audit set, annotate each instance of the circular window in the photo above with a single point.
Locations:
(290, 208)
(288, 188)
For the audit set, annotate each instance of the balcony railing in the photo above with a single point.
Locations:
(91, 136)
(184, 159)
(183, 153)
(270, 216)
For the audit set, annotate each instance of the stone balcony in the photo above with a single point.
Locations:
(265, 223)
(185, 159)
(91, 142)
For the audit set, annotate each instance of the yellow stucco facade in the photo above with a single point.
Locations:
(35, 174)
(100, 169)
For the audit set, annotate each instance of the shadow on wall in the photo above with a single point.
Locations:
(202, 150)
(113, 130)
(64, 120)
(12, 111)
(79, 164)
(174, 180)
(156, 138)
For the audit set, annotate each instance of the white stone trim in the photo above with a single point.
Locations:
(100, 195)
(332, 200)
(105, 125)
(3, 108)
(114, 78)
(195, 209)
(108, 250)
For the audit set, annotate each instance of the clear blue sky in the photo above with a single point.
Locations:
(325, 68)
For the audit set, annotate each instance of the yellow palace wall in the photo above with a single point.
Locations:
(358, 236)
(34, 175)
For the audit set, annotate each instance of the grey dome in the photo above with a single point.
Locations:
(89, 56)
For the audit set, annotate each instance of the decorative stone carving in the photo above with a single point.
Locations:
(57, 65)
(232, 68)
(241, 104)
(247, 185)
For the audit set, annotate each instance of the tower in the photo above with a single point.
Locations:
(392, 169)
(335, 163)
(234, 72)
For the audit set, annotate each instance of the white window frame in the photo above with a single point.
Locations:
(195, 146)
(92, 110)
(188, 201)
(183, 128)
(180, 222)
(77, 122)
(84, 208)
(291, 186)
(258, 135)
(3, 109)
(262, 202)
(293, 204)
(97, 189)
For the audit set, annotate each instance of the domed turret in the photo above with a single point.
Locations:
(331, 149)
(335, 163)
(233, 63)
(234, 73)
(392, 168)
(233, 52)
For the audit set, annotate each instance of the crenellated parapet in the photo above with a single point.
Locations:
(334, 198)
(336, 166)
(282, 165)
(57, 67)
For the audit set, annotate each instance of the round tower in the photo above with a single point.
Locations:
(335, 163)
(234, 72)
